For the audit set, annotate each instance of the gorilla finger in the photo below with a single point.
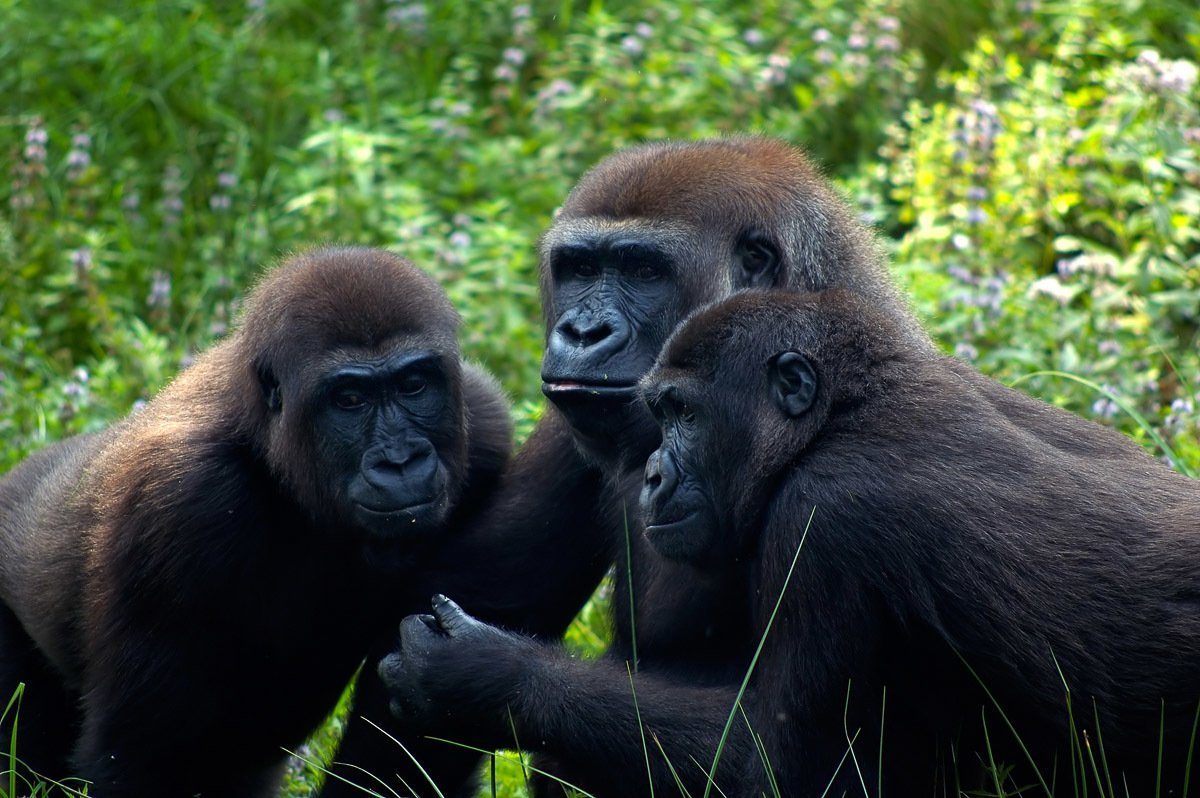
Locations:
(390, 669)
(451, 616)
(432, 623)
(416, 635)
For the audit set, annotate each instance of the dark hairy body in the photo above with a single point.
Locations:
(961, 534)
(188, 592)
(645, 238)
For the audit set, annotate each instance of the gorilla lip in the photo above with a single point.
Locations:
(614, 389)
(660, 527)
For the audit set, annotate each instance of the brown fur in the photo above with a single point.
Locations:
(186, 575)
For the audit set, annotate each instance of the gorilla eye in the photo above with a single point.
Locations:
(757, 256)
(412, 385)
(584, 268)
(686, 414)
(647, 271)
(349, 400)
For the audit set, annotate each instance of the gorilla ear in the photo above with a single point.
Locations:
(269, 385)
(757, 261)
(793, 382)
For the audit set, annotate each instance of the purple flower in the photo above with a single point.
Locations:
(412, 17)
(1105, 408)
(890, 24)
(460, 239)
(976, 215)
(825, 56)
(1109, 347)
(977, 193)
(226, 179)
(514, 56)
(36, 134)
(820, 36)
(887, 44)
(521, 11)
(753, 37)
(81, 259)
(643, 29)
(632, 45)
(856, 41)
(964, 351)
(505, 73)
(160, 291)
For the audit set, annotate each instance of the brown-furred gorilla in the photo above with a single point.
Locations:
(646, 237)
(189, 591)
(927, 556)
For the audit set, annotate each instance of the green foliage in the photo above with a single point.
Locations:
(1034, 168)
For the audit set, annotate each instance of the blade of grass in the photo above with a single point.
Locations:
(512, 724)
(1021, 743)
(582, 792)
(316, 765)
(629, 584)
(1103, 756)
(1129, 410)
(404, 748)
(1187, 767)
(838, 769)
(641, 729)
(762, 754)
(882, 719)
(846, 731)
(675, 775)
(987, 746)
(712, 773)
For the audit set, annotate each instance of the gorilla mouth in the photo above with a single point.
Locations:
(554, 387)
(387, 521)
(666, 527)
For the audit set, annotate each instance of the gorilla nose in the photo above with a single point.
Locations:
(661, 478)
(583, 335)
(386, 466)
(587, 335)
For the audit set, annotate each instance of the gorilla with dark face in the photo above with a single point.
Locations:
(657, 231)
(915, 557)
(189, 591)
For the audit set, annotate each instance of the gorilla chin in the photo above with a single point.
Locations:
(600, 415)
(402, 522)
(686, 540)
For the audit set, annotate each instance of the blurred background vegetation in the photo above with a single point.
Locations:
(1034, 167)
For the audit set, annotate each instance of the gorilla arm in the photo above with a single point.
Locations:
(458, 678)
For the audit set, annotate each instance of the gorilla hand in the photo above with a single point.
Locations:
(451, 671)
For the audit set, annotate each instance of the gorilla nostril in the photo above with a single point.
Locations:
(654, 480)
(595, 334)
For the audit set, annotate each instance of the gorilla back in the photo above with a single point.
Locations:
(953, 521)
(189, 591)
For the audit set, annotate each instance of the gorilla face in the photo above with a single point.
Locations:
(386, 431)
(615, 294)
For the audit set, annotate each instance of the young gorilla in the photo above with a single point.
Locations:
(203, 578)
(954, 528)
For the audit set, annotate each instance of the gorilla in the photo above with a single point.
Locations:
(933, 576)
(191, 589)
